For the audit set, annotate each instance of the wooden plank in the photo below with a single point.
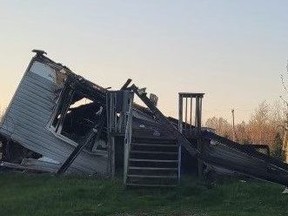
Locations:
(166, 123)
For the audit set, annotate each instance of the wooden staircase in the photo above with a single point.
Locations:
(156, 162)
(153, 162)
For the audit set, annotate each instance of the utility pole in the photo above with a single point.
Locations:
(233, 125)
(285, 140)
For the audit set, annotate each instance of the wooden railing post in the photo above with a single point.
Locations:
(119, 107)
(128, 137)
(186, 129)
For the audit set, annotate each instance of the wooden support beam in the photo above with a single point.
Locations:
(80, 147)
(166, 123)
(180, 112)
(191, 112)
(126, 84)
(75, 153)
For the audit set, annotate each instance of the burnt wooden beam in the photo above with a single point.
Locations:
(126, 84)
(80, 147)
(166, 123)
(75, 153)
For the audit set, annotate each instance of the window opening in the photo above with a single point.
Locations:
(76, 115)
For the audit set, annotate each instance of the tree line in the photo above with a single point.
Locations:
(265, 126)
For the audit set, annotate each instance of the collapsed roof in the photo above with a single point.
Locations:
(59, 121)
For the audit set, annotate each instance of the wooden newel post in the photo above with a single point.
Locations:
(198, 127)
(180, 128)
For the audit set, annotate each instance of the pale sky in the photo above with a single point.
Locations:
(233, 51)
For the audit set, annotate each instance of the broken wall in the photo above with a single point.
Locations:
(28, 118)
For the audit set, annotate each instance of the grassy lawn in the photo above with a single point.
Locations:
(48, 195)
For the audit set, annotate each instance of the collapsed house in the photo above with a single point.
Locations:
(59, 122)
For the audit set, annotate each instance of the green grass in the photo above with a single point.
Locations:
(48, 195)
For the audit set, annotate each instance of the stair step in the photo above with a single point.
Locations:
(153, 152)
(156, 161)
(155, 140)
(153, 163)
(155, 144)
(152, 176)
(153, 168)
(150, 170)
(150, 185)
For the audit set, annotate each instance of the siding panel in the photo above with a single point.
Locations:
(27, 119)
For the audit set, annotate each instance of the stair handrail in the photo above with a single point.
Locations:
(128, 136)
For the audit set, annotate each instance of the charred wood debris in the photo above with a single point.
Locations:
(60, 123)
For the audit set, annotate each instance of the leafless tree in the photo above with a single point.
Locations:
(221, 126)
(263, 127)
